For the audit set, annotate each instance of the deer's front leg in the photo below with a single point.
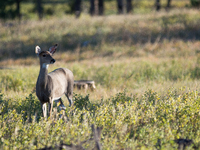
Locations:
(50, 107)
(44, 109)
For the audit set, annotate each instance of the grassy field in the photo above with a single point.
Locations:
(145, 66)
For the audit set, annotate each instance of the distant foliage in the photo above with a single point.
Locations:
(6, 9)
(195, 3)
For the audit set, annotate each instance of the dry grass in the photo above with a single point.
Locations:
(160, 34)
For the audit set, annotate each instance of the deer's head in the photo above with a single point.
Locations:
(46, 56)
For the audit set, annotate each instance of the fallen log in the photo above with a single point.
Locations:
(84, 84)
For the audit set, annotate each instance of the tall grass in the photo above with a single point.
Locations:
(160, 34)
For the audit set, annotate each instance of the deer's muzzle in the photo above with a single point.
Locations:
(52, 61)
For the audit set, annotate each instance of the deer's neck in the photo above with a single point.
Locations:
(43, 75)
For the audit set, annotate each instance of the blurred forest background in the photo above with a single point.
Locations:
(11, 9)
(16, 14)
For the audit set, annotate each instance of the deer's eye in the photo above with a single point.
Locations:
(43, 55)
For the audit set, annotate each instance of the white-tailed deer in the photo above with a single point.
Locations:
(50, 87)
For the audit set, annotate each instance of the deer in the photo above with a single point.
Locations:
(52, 86)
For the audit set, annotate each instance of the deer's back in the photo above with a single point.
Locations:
(61, 79)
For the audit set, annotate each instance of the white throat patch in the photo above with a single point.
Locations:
(45, 66)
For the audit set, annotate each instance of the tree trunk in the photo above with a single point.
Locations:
(77, 8)
(120, 6)
(40, 9)
(158, 6)
(96, 7)
(101, 7)
(129, 6)
(168, 3)
(91, 7)
(18, 9)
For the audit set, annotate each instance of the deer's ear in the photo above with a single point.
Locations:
(52, 49)
(37, 50)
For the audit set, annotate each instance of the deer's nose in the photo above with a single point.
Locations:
(52, 61)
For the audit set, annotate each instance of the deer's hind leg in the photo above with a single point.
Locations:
(69, 93)
(69, 97)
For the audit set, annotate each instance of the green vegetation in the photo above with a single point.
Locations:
(145, 67)
(128, 122)
(195, 3)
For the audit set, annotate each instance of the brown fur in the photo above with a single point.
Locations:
(52, 86)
